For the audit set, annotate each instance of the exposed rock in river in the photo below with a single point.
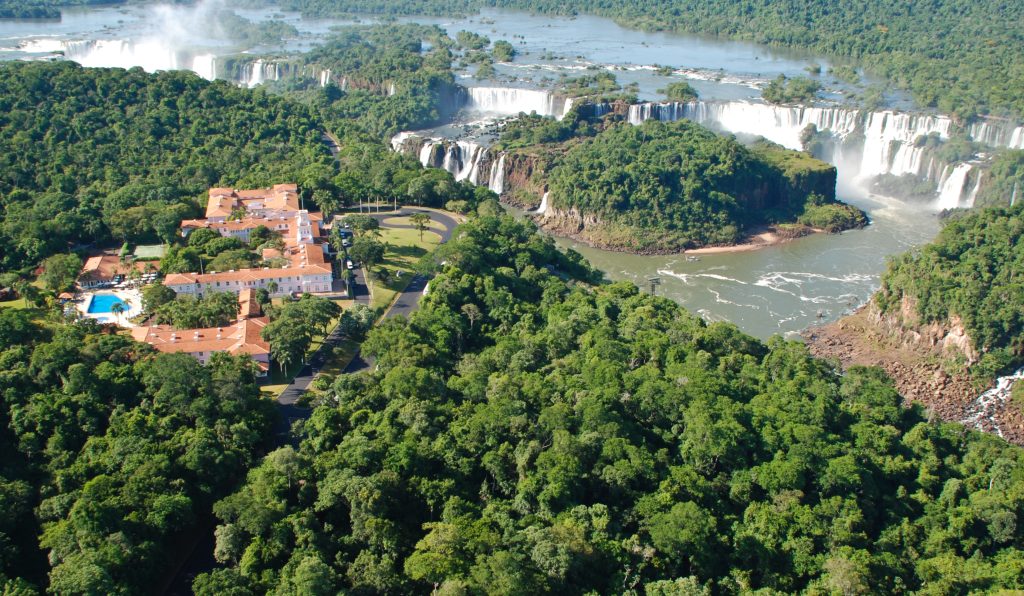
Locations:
(921, 359)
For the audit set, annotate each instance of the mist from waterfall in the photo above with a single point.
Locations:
(509, 101)
(865, 144)
(177, 37)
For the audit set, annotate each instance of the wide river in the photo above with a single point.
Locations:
(781, 289)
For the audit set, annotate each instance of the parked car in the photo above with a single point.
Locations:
(348, 264)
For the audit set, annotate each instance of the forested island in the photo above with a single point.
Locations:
(530, 427)
(667, 187)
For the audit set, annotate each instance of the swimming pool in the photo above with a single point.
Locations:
(105, 303)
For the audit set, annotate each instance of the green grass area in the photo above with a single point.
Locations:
(405, 249)
(407, 221)
(16, 303)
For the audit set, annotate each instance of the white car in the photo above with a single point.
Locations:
(348, 264)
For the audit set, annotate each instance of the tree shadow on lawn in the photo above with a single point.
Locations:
(407, 251)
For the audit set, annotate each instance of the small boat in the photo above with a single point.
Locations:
(692, 259)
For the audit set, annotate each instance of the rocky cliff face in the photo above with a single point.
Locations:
(928, 362)
(525, 179)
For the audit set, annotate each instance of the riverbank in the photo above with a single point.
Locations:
(921, 364)
(592, 236)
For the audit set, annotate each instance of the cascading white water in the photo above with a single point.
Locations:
(462, 159)
(509, 101)
(602, 108)
(779, 124)
(43, 46)
(427, 150)
(543, 209)
(255, 74)
(887, 138)
(497, 181)
(259, 72)
(205, 65)
(1017, 138)
(325, 77)
(885, 130)
(391, 89)
(118, 53)
(969, 203)
(951, 186)
(987, 406)
(1013, 197)
(398, 141)
(997, 134)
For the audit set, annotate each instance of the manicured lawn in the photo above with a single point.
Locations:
(343, 354)
(404, 250)
(16, 303)
(407, 221)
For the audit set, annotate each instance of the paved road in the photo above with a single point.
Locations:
(404, 305)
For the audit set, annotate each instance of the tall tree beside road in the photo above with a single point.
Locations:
(421, 221)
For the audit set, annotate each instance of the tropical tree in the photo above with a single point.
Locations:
(60, 272)
(472, 313)
(118, 309)
(421, 221)
(361, 224)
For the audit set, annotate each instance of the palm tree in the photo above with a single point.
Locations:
(118, 309)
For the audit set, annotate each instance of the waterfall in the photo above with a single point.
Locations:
(462, 159)
(1013, 197)
(398, 141)
(497, 182)
(969, 203)
(1017, 138)
(118, 53)
(205, 65)
(427, 151)
(325, 77)
(255, 76)
(509, 101)
(982, 411)
(884, 130)
(995, 133)
(568, 107)
(951, 186)
(868, 144)
(391, 89)
(259, 72)
(543, 209)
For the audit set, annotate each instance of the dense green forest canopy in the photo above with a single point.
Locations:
(390, 82)
(527, 433)
(971, 271)
(668, 186)
(112, 453)
(100, 155)
(1004, 180)
(960, 57)
(89, 155)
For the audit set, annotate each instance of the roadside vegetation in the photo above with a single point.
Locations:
(527, 432)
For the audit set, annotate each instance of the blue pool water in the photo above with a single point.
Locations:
(104, 303)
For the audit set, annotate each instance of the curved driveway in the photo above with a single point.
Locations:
(406, 302)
